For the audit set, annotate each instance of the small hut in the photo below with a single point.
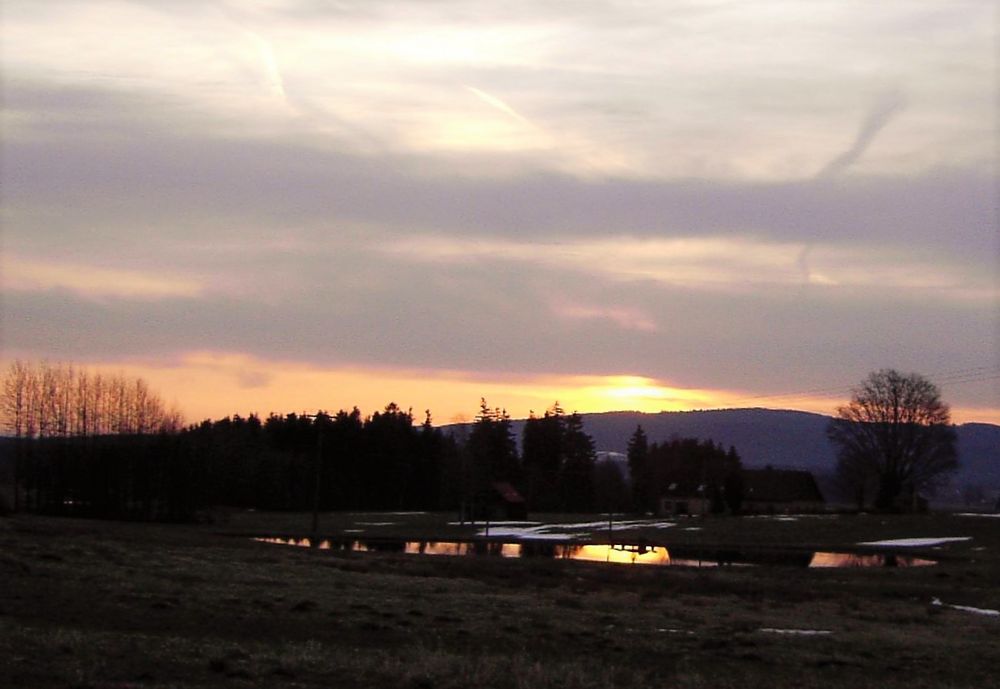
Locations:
(506, 503)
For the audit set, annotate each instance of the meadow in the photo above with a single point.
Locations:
(102, 605)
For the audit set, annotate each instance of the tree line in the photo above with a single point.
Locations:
(86, 443)
(104, 446)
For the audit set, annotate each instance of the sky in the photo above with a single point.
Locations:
(274, 206)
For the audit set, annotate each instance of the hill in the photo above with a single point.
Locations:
(780, 438)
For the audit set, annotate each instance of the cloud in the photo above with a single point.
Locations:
(495, 102)
(498, 316)
(720, 263)
(24, 274)
(253, 379)
(885, 108)
(328, 192)
(624, 317)
(272, 73)
(115, 171)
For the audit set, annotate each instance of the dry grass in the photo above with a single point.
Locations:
(89, 604)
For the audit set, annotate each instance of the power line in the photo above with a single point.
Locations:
(949, 378)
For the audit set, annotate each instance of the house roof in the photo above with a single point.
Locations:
(780, 485)
(685, 489)
(507, 492)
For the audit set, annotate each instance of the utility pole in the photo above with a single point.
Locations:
(317, 475)
(318, 419)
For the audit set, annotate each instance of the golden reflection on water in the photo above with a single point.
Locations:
(821, 559)
(640, 555)
(617, 553)
(452, 548)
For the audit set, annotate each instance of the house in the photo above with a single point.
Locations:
(769, 491)
(780, 491)
(685, 497)
(506, 503)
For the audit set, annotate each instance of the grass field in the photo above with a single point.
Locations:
(92, 604)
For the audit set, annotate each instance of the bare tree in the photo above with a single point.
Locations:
(895, 432)
(16, 391)
(44, 400)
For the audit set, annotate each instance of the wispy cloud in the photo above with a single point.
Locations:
(471, 185)
(713, 263)
(272, 73)
(886, 107)
(623, 317)
(25, 274)
(495, 102)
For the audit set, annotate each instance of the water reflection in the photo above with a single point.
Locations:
(619, 553)
(622, 554)
(869, 560)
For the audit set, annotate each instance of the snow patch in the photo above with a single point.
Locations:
(916, 542)
(492, 523)
(567, 530)
(507, 532)
(796, 632)
(967, 608)
(994, 515)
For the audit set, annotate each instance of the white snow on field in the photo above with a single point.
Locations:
(492, 524)
(790, 517)
(797, 632)
(568, 530)
(994, 515)
(967, 608)
(508, 532)
(916, 542)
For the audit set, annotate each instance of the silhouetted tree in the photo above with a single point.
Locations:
(577, 476)
(638, 466)
(897, 431)
(391, 442)
(492, 453)
(542, 458)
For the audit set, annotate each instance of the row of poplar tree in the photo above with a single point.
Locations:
(42, 400)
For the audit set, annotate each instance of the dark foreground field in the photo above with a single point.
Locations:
(97, 604)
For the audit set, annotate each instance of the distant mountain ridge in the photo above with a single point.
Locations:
(780, 438)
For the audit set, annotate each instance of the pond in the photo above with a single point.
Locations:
(620, 553)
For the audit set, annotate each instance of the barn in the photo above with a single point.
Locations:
(781, 491)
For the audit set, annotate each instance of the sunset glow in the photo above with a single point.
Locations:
(269, 206)
(213, 385)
